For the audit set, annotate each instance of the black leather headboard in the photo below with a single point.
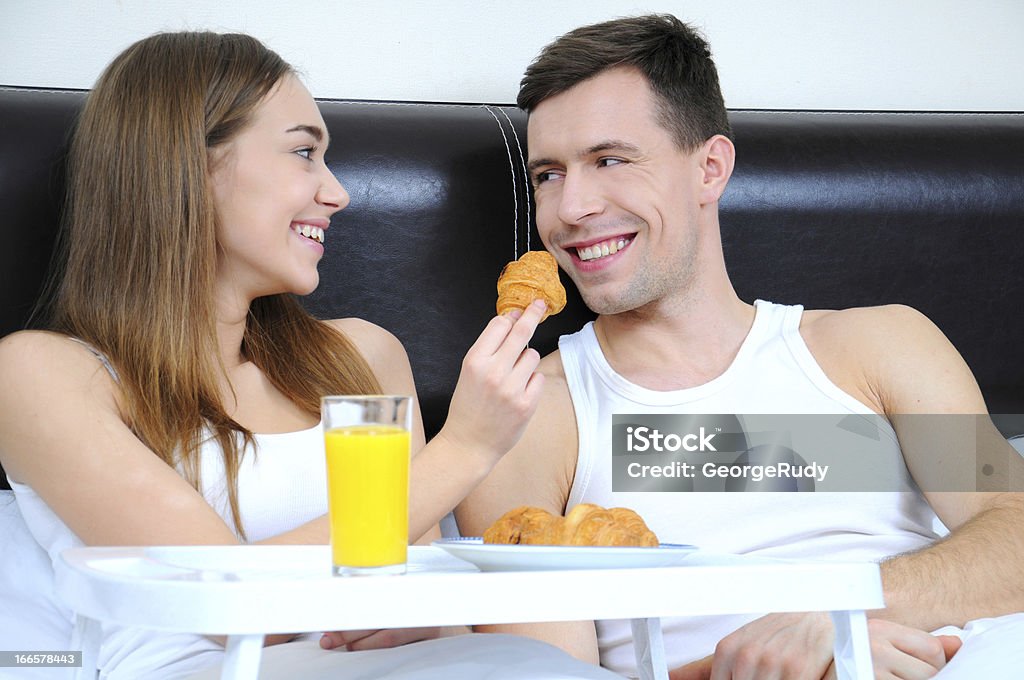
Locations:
(829, 210)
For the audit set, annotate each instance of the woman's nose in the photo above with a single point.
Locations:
(331, 193)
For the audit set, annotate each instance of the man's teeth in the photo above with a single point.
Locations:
(309, 231)
(603, 249)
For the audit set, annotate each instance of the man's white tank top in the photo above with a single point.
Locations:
(773, 373)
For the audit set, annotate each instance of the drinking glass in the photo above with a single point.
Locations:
(367, 440)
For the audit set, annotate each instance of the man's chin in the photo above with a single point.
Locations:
(606, 305)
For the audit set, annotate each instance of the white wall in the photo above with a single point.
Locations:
(822, 54)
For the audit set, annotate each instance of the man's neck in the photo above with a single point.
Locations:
(675, 348)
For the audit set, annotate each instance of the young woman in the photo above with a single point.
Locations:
(199, 203)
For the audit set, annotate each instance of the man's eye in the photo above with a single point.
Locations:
(542, 177)
(605, 162)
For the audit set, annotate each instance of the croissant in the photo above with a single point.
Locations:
(586, 524)
(532, 276)
(516, 524)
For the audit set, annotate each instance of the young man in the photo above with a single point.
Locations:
(630, 152)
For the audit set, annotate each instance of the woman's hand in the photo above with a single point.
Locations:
(360, 640)
(498, 389)
(497, 394)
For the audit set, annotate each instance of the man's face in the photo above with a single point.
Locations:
(617, 200)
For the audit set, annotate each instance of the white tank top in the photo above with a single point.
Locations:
(282, 485)
(773, 373)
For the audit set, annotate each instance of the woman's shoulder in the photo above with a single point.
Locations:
(45, 359)
(44, 373)
(363, 332)
(379, 346)
(28, 349)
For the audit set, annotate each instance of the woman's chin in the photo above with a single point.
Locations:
(305, 285)
(306, 290)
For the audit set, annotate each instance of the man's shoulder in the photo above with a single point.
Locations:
(867, 327)
(551, 367)
(890, 357)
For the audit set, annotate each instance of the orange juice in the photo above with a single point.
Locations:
(368, 494)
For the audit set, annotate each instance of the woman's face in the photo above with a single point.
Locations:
(274, 197)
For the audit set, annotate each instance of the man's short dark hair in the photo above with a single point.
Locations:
(674, 57)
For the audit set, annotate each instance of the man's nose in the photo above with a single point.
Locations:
(580, 198)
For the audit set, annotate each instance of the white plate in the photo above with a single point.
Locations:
(493, 557)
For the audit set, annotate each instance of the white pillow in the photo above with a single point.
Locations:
(29, 617)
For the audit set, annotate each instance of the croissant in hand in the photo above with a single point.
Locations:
(586, 524)
(533, 276)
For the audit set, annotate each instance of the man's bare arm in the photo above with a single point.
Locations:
(898, 363)
(941, 419)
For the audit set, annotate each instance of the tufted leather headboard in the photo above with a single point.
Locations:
(826, 209)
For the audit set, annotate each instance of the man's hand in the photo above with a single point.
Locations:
(799, 646)
(905, 653)
(359, 640)
(777, 646)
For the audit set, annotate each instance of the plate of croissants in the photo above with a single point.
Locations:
(588, 537)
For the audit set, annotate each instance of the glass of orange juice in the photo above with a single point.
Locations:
(367, 442)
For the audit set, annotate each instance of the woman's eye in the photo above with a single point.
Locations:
(306, 152)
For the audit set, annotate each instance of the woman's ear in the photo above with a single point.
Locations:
(718, 157)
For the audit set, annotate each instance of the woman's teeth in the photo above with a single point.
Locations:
(603, 249)
(309, 231)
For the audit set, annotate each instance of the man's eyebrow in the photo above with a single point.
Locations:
(314, 130)
(608, 145)
(611, 145)
(532, 166)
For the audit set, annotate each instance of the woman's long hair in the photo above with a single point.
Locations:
(139, 250)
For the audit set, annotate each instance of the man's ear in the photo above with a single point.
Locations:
(718, 157)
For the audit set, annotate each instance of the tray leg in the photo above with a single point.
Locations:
(852, 650)
(242, 657)
(86, 637)
(649, 646)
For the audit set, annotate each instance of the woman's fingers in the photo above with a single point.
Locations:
(507, 331)
(356, 640)
(498, 390)
(522, 331)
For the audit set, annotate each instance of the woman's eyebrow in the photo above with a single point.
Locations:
(314, 130)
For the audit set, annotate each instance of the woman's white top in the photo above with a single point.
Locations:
(282, 485)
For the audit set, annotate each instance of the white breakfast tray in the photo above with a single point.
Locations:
(502, 557)
(246, 591)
